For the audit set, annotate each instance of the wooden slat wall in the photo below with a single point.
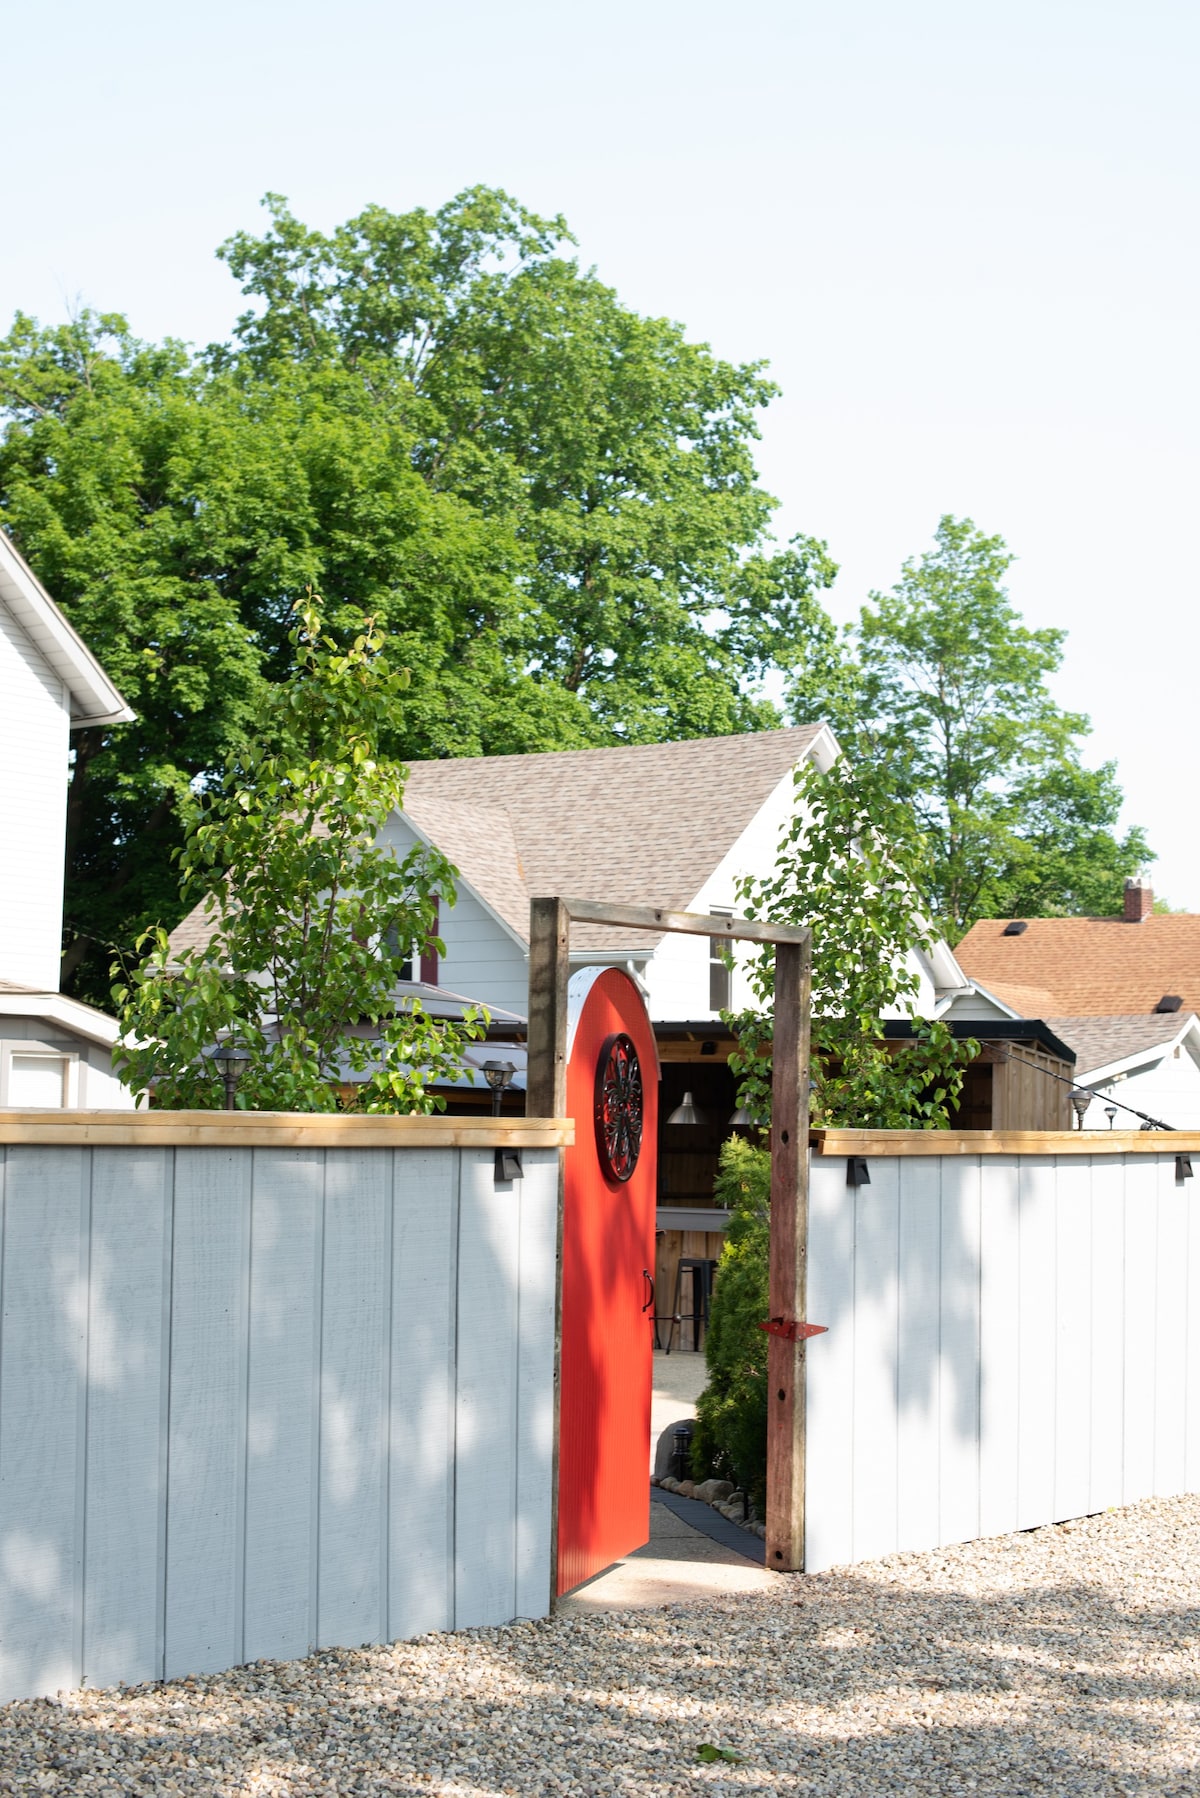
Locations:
(1013, 1340)
(255, 1400)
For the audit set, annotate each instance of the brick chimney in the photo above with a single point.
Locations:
(1139, 901)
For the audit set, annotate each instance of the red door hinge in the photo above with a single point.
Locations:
(792, 1332)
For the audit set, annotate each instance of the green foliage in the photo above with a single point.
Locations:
(851, 867)
(314, 914)
(442, 423)
(945, 690)
(730, 1439)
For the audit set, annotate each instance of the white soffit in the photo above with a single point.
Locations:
(94, 699)
(56, 1008)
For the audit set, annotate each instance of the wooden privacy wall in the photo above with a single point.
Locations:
(1013, 1340)
(259, 1400)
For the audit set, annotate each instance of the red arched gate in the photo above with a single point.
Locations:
(609, 1185)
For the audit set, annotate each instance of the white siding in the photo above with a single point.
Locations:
(34, 743)
(483, 960)
(677, 973)
(1012, 1341)
(257, 1400)
(1168, 1089)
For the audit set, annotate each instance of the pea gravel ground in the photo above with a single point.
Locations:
(1063, 1660)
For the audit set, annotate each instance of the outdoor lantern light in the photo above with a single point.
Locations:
(686, 1113)
(230, 1062)
(499, 1077)
(1081, 1101)
(1110, 1112)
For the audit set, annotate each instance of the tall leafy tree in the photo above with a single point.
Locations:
(945, 687)
(443, 423)
(622, 451)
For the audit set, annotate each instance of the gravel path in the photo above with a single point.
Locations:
(1064, 1660)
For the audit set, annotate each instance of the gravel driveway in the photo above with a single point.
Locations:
(1063, 1660)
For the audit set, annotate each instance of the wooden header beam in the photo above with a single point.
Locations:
(550, 921)
(686, 923)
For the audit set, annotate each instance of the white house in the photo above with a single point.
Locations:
(1149, 1063)
(665, 824)
(54, 1051)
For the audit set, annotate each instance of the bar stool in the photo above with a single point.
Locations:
(700, 1272)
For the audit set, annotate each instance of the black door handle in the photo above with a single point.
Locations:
(649, 1305)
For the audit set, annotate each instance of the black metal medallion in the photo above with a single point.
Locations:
(618, 1107)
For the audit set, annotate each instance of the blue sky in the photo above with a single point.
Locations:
(963, 236)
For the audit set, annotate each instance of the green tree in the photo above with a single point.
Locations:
(852, 866)
(441, 422)
(621, 451)
(314, 917)
(946, 689)
(730, 1439)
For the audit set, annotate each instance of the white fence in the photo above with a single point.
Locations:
(1013, 1340)
(255, 1400)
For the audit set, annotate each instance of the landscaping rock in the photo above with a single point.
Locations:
(713, 1491)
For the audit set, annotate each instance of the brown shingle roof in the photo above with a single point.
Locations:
(1091, 967)
(1098, 1041)
(640, 824)
(1026, 1001)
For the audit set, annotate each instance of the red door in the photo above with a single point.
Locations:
(610, 1181)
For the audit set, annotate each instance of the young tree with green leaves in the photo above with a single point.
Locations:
(945, 688)
(852, 867)
(314, 917)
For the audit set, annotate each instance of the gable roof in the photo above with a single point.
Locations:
(94, 699)
(1090, 967)
(638, 824)
(1102, 1042)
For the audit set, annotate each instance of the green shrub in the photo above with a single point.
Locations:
(730, 1441)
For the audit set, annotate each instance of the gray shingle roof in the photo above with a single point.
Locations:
(1098, 1041)
(642, 824)
(639, 825)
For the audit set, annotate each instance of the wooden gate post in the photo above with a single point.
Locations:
(549, 969)
(546, 1096)
(789, 1256)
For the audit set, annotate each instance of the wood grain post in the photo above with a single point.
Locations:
(546, 1096)
(789, 1254)
(549, 969)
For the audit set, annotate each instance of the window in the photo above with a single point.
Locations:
(391, 939)
(719, 981)
(38, 1081)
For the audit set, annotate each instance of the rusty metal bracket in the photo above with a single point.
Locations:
(792, 1331)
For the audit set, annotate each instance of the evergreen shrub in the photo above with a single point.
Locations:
(730, 1441)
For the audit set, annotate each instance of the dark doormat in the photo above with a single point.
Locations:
(710, 1523)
